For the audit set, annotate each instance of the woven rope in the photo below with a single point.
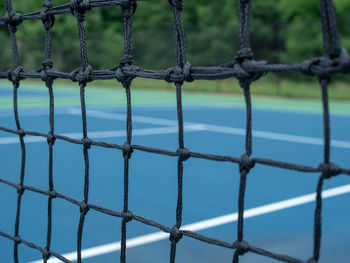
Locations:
(243, 67)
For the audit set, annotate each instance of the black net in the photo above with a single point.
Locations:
(243, 67)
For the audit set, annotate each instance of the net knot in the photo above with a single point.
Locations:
(20, 189)
(127, 216)
(175, 234)
(242, 247)
(84, 208)
(120, 75)
(47, 4)
(167, 74)
(127, 150)
(81, 75)
(13, 20)
(87, 74)
(47, 19)
(52, 194)
(17, 239)
(178, 4)
(128, 7)
(21, 133)
(244, 53)
(50, 138)
(74, 75)
(187, 72)
(183, 153)
(177, 74)
(86, 142)
(47, 64)
(46, 254)
(324, 67)
(14, 75)
(246, 163)
(126, 60)
(242, 61)
(79, 7)
(329, 169)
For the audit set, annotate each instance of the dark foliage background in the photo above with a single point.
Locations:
(282, 31)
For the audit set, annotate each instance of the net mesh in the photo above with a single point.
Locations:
(243, 67)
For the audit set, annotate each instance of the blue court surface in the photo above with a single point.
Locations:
(210, 188)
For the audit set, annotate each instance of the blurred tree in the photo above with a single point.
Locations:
(303, 38)
(282, 30)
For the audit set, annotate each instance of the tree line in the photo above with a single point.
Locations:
(281, 31)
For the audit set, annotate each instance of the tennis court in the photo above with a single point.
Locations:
(284, 131)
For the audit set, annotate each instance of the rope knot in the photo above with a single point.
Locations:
(126, 60)
(120, 75)
(52, 194)
(242, 247)
(246, 163)
(47, 4)
(21, 133)
(187, 71)
(74, 75)
(17, 239)
(81, 75)
(167, 74)
(79, 7)
(50, 138)
(127, 216)
(48, 20)
(324, 67)
(183, 153)
(47, 64)
(178, 4)
(84, 208)
(20, 190)
(86, 142)
(244, 53)
(14, 75)
(87, 74)
(13, 20)
(175, 234)
(177, 74)
(329, 169)
(242, 61)
(127, 150)
(46, 254)
(128, 7)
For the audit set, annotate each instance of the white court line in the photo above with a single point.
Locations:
(205, 224)
(105, 134)
(189, 126)
(122, 117)
(277, 136)
(220, 129)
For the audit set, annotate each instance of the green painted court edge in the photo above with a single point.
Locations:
(109, 96)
